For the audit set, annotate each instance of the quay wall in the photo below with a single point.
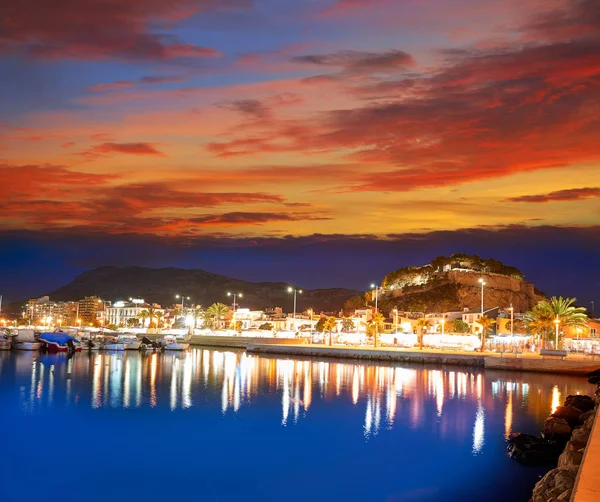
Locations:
(369, 354)
(566, 366)
(239, 341)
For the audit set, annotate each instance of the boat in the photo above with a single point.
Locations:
(130, 341)
(113, 346)
(4, 341)
(149, 345)
(25, 340)
(59, 341)
(169, 342)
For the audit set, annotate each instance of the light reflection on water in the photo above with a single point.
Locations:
(440, 405)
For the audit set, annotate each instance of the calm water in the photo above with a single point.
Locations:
(226, 426)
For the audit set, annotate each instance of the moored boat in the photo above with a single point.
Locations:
(130, 341)
(170, 342)
(25, 340)
(59, 342)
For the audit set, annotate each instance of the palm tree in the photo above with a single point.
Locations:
(540, 320)
(486, 323)
(423, 324)
(329, 325)
(375, 326)
(159, 318)
(214, 315)
(142, 316)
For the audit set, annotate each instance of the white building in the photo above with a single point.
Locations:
(119, 313)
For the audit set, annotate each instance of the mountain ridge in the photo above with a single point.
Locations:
(161, 285)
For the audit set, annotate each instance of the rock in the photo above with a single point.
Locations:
(569, 413)
(582, 402)
(584, 416)
(556, 428)
(554, 485)
(581, 434)
(532, 450)
(564, 496)
(570, 459)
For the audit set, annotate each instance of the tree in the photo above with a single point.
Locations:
(347, 324)
(266, 326)
(354, 303)
(458, 326)
(486, 324)
(159, 316)
(517, 327)
(320, 326)
(198, 313)
(375, 326)
(329, 325)
(422, 324)
(215, 315)
(540, 320)
(142, 316)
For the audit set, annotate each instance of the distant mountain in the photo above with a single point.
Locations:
(160, 285)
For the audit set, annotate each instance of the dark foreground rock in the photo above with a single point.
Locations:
(532, 450)
(557, 486)
(584, 403)
(556, 429)
(569, 413)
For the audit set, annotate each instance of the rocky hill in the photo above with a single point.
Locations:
(452, 283)
(160, 285)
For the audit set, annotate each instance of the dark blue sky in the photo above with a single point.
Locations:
(560, 261)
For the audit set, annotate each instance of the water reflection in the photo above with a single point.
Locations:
(450, 402)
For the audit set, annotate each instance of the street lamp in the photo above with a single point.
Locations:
(376, 287)
(512, 319)
(556, 323)
(443, 321)
(183, 298)
(396, 318)
(294, 290)
(235, 295)
(311, 324)
(482, 327)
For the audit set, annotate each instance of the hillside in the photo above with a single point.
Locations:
(160, 285)
(452, 283)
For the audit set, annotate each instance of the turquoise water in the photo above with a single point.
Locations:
(213, 425)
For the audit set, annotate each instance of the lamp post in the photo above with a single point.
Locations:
(235, 295)
(294, 290)
(482, 327)
(311, 324)
(183, 299)
(512, 319)
(396, 319)
(443, 321)
(376, 287)
(556, 323)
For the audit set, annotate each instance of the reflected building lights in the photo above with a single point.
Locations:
(555, 399)
(508, 416)
(479, 429)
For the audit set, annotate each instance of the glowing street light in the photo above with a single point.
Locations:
(376, 288)
(443, 321)
(557, 324)
(294, 290)
(512, 319)
(310, 311)
(235, 295)
(183, 299)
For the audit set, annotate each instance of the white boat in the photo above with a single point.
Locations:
(130, 341)
(25, 340)
(4, 344)
(112, 346)
(170, 342)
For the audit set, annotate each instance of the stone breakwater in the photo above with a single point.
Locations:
(565, 435)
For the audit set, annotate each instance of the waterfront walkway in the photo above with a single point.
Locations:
(587, 484)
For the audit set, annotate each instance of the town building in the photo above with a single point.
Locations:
(129, 313)
(472, 316)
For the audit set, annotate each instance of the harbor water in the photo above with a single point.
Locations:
(218, 425)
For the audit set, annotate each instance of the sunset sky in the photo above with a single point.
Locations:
(321, 142)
